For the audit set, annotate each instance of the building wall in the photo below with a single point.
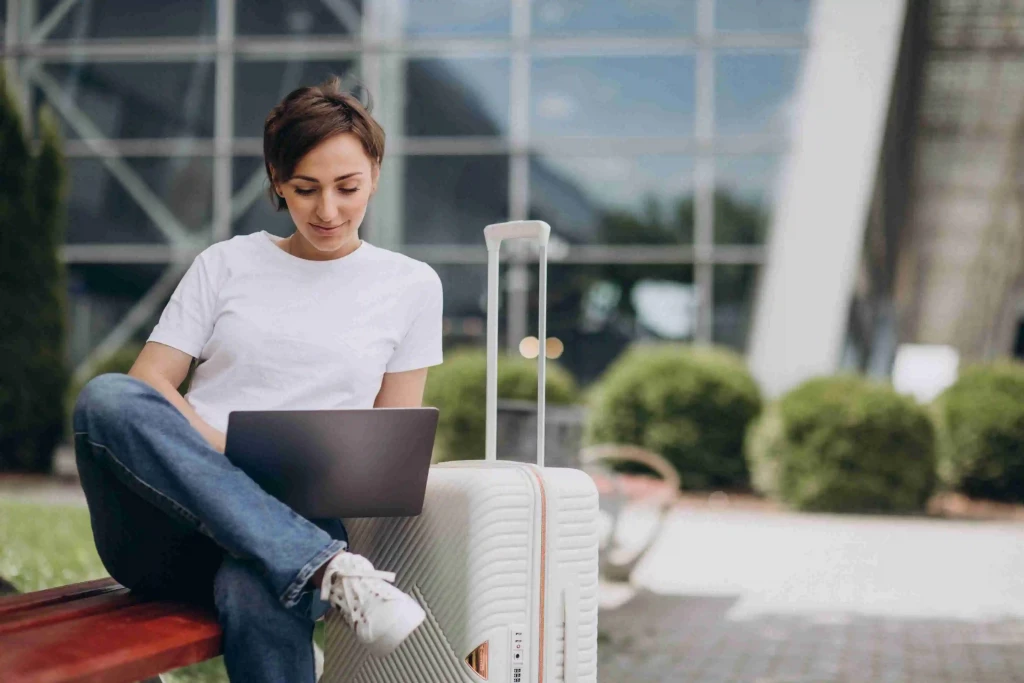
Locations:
(944, 246)
(825, 191)
(964, 270)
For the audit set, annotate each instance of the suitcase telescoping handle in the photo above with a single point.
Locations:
(493, 235)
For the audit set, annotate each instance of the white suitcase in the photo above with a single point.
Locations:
(503, 558)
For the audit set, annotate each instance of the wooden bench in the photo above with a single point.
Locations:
(99, 631)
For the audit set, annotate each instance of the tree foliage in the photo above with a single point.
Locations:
(33, 368)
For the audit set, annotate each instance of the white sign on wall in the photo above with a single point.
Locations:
(924, 371)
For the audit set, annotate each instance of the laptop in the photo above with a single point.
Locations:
(337, 463)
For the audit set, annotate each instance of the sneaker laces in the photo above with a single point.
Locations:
(348, 583)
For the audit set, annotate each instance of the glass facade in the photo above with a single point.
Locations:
(648, 133)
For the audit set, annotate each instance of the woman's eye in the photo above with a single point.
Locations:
(304, 192)
(348, 190)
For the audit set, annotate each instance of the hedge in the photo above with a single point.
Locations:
(119, 361)
(458, 388)
(844, 444)
(690, 404)
(981, 428)
(34, 372)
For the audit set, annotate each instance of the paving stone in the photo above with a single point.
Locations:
(674, 635)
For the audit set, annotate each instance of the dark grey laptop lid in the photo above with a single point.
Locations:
(337, 463)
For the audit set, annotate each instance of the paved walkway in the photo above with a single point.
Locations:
(773, 598)
(42, 490)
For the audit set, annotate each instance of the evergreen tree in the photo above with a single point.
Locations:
(33, 368)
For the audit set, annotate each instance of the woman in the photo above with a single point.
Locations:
(318, 320)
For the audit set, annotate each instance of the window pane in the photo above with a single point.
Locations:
(131, 19)
(449, 199)
(298, 18)
(259, 86)
(613, 96)
(146, 100)
(641, 17)
(762, 15)
(465, 304)
(753, 93)
(457, 97)
(457, 17)
(614, 200)
(261, 215)
(596, 311)
(101, 210)
(250, 194)
(744, 188)
(734, 302)
(99, 296)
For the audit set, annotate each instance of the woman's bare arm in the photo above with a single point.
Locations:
(402, 389)
(164, 368)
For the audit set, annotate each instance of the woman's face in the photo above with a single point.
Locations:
(327, 197)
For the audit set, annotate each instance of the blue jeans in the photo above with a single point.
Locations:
(173, 518)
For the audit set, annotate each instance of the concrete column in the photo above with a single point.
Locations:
(824, 190)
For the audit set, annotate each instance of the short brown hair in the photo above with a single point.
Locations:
(307, 117)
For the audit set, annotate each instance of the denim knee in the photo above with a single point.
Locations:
(244, 599)
(103, 399)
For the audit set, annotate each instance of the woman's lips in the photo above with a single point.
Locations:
(322, 230)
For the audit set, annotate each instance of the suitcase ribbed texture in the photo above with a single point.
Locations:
(465, 537)
(575, 550)
(468, 560)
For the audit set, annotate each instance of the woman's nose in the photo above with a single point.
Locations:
(325, 209)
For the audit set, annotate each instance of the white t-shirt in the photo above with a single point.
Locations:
(277, 332)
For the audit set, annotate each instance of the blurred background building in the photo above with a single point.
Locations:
(845, 170)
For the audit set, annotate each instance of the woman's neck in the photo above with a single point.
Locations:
(297, 246)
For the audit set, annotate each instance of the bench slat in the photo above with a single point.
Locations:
(102, 603)
(28, 601)
(133, 643)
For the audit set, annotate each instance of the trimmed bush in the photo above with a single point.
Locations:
(33, 368)
(458, 388)
(120, 361)
(981, 432)
(844, 444)
(690, 404)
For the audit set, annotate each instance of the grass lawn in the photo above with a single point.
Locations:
(44, 546)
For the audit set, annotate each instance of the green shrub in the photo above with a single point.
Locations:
(33, 369)
(690, 404)
(458, 388)
(981, 432)
(844, 444)
(120, 361)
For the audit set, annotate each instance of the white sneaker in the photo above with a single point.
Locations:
(381, 615)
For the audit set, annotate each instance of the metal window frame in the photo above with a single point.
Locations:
(27, 46)
(328, 46)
